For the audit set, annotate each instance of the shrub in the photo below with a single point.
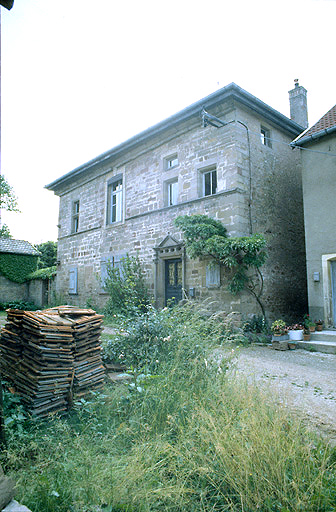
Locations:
(126, 288)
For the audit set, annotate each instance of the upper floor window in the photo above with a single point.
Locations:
(171, 161)
(75, 217)
(265, 136)
(172, 192)
(115, 200)
(209, 182)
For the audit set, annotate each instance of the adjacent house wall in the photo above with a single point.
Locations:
(256, 183)
(319, 190)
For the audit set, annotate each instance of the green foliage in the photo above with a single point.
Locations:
(18, 304)
(241, 256)
(48, 254)
(8, 200)
(197, 229)
(44, 273)
(17, 267)
(4, 231)
(189, 438)
(256, 324)
(126, 288)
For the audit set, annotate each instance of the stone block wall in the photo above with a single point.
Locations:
(255, 183)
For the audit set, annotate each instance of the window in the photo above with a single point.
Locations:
(172, 192)
(114, 261)
(171, 161)
(73, 281)
(75, 217)
(115, 200)
(209, 179)
(265, 137)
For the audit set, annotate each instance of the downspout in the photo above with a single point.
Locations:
(218, 123)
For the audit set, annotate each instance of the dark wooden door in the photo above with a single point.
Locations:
(173, 280)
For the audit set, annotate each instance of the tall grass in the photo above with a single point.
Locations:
(185, 439)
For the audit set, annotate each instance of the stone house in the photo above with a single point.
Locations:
(226, 156)
(318, 153)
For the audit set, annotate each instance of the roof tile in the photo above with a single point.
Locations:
(9, 245)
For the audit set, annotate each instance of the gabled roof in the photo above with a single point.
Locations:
(9, 245)
(230, 92)
(325, 126)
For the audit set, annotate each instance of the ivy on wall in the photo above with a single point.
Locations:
(17, 267)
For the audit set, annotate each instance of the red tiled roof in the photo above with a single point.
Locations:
(327, 121)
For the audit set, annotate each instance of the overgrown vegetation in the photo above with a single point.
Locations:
(186, 436)
(17, 267)
(242, 257)
(18, 304)
(125, 284)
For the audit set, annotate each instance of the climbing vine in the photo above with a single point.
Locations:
(17, 267)
(241, 256)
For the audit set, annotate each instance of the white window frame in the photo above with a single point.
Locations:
(265, 136)
(209, 172)
(75, 217)
(170, 162)
(171, 192)
(115, 200)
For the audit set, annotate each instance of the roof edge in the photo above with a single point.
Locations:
(231, 90)
(302, 139)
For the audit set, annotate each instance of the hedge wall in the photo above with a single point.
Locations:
(17, 267)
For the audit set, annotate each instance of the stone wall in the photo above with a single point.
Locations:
(257, 185)
(10, 291)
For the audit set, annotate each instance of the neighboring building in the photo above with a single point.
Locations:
(318, 155)
(227, 156)
(18, 259)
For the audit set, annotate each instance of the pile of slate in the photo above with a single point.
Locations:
(49, 355)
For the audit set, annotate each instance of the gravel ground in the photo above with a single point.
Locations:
(304, 380)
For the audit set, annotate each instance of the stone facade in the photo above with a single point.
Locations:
(258, 190)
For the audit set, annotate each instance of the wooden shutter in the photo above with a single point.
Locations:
(73, 280)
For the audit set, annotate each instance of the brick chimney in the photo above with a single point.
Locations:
(298, 104)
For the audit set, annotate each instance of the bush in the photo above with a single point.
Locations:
(18, 304)
(126, 288)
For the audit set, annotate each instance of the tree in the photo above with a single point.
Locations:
(48, 257)
(8, 202)
(241, 256)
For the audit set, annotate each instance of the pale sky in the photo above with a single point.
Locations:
(81, 76)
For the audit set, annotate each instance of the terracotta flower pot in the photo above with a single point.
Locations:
(319, 327)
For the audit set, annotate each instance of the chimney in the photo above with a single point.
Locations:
(298, 104)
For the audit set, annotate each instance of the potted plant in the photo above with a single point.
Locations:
(279, 335)
(306, 334)
(319, 325)
(308, 323)
(295, 332)
(279, 330)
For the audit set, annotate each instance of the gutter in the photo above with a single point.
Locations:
(313, 137)
(231, 91)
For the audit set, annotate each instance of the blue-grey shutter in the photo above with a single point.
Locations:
(118, 263)
(103, 271)
(212, 277)
(73, 280)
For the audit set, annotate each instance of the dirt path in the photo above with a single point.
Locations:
(306, 382)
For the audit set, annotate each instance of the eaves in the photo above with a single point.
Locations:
(230, 92)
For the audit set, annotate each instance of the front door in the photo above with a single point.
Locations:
(333, 290)
(173, 280)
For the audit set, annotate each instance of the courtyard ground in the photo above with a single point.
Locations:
(304, 381)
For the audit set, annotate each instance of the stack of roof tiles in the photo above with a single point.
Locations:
(47, 355)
